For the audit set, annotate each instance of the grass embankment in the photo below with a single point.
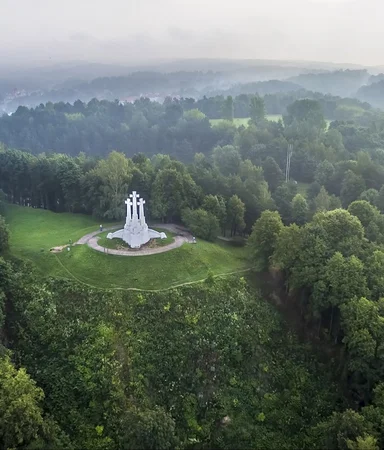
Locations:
(35, 231)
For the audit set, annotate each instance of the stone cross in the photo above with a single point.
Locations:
(141, 207)
(129, 204)
(134, 198)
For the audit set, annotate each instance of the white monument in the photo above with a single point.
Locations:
(136, 232)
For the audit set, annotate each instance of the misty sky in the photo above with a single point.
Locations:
(130, 31)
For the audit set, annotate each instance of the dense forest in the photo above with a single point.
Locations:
(179, 128)
(212, 365)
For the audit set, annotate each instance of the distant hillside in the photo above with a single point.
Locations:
(376, 78)
(343, 83)
(373, 94)
(261, 88)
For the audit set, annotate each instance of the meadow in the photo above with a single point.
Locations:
(35, 231)
(244, 120)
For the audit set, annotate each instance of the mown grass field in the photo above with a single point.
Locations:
(244, 121)
(35, 231)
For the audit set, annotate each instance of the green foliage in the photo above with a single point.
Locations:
(262, 241)
(352, 187)
(114, 174)
(322, 201)
(305, 111)
(201, 223)
(324, 173)
(172, 190)
(339, 430)
(161, 370)
(272, 173)
(299, 209)
(227, 159)
(363, 323)
(4, 235)
(256, 109)
(22, 424)
(363, 443)
(150, 429)
(228, 108)
(283, 197)
(365, 212)
(235, 215)
(380, 200)
(370, 195)
(216, 206)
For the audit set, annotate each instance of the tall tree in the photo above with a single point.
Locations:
(228, 108)
(216, 206)
(235, 215)
(227, 159)
(172, 191)
(115, 175)
(256, 109)
(324, 173)
(299, 209)
(262, 241)
(272, 173)
(352, 187)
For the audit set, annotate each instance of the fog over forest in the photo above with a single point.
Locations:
(138, 31)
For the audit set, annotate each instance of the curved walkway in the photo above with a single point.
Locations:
(183, 237)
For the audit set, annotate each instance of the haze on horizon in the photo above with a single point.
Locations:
(138, 31)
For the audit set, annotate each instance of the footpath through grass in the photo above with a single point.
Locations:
(35, 231)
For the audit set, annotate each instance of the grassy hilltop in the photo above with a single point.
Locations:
(35, 231)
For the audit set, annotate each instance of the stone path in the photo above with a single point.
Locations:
(181, 238)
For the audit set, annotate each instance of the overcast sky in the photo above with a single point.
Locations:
(130, 31)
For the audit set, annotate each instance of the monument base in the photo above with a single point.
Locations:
(135, 232)
(136, 237)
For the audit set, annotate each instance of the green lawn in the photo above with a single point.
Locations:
(35, 231)
(38, 229)
(244, 121)
(238, 122)
(184, 264)
(274, 117)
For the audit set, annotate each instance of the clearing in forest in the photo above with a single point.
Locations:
(35, 231)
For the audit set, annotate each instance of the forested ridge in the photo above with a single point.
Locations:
(179, 128)
(211, 365)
